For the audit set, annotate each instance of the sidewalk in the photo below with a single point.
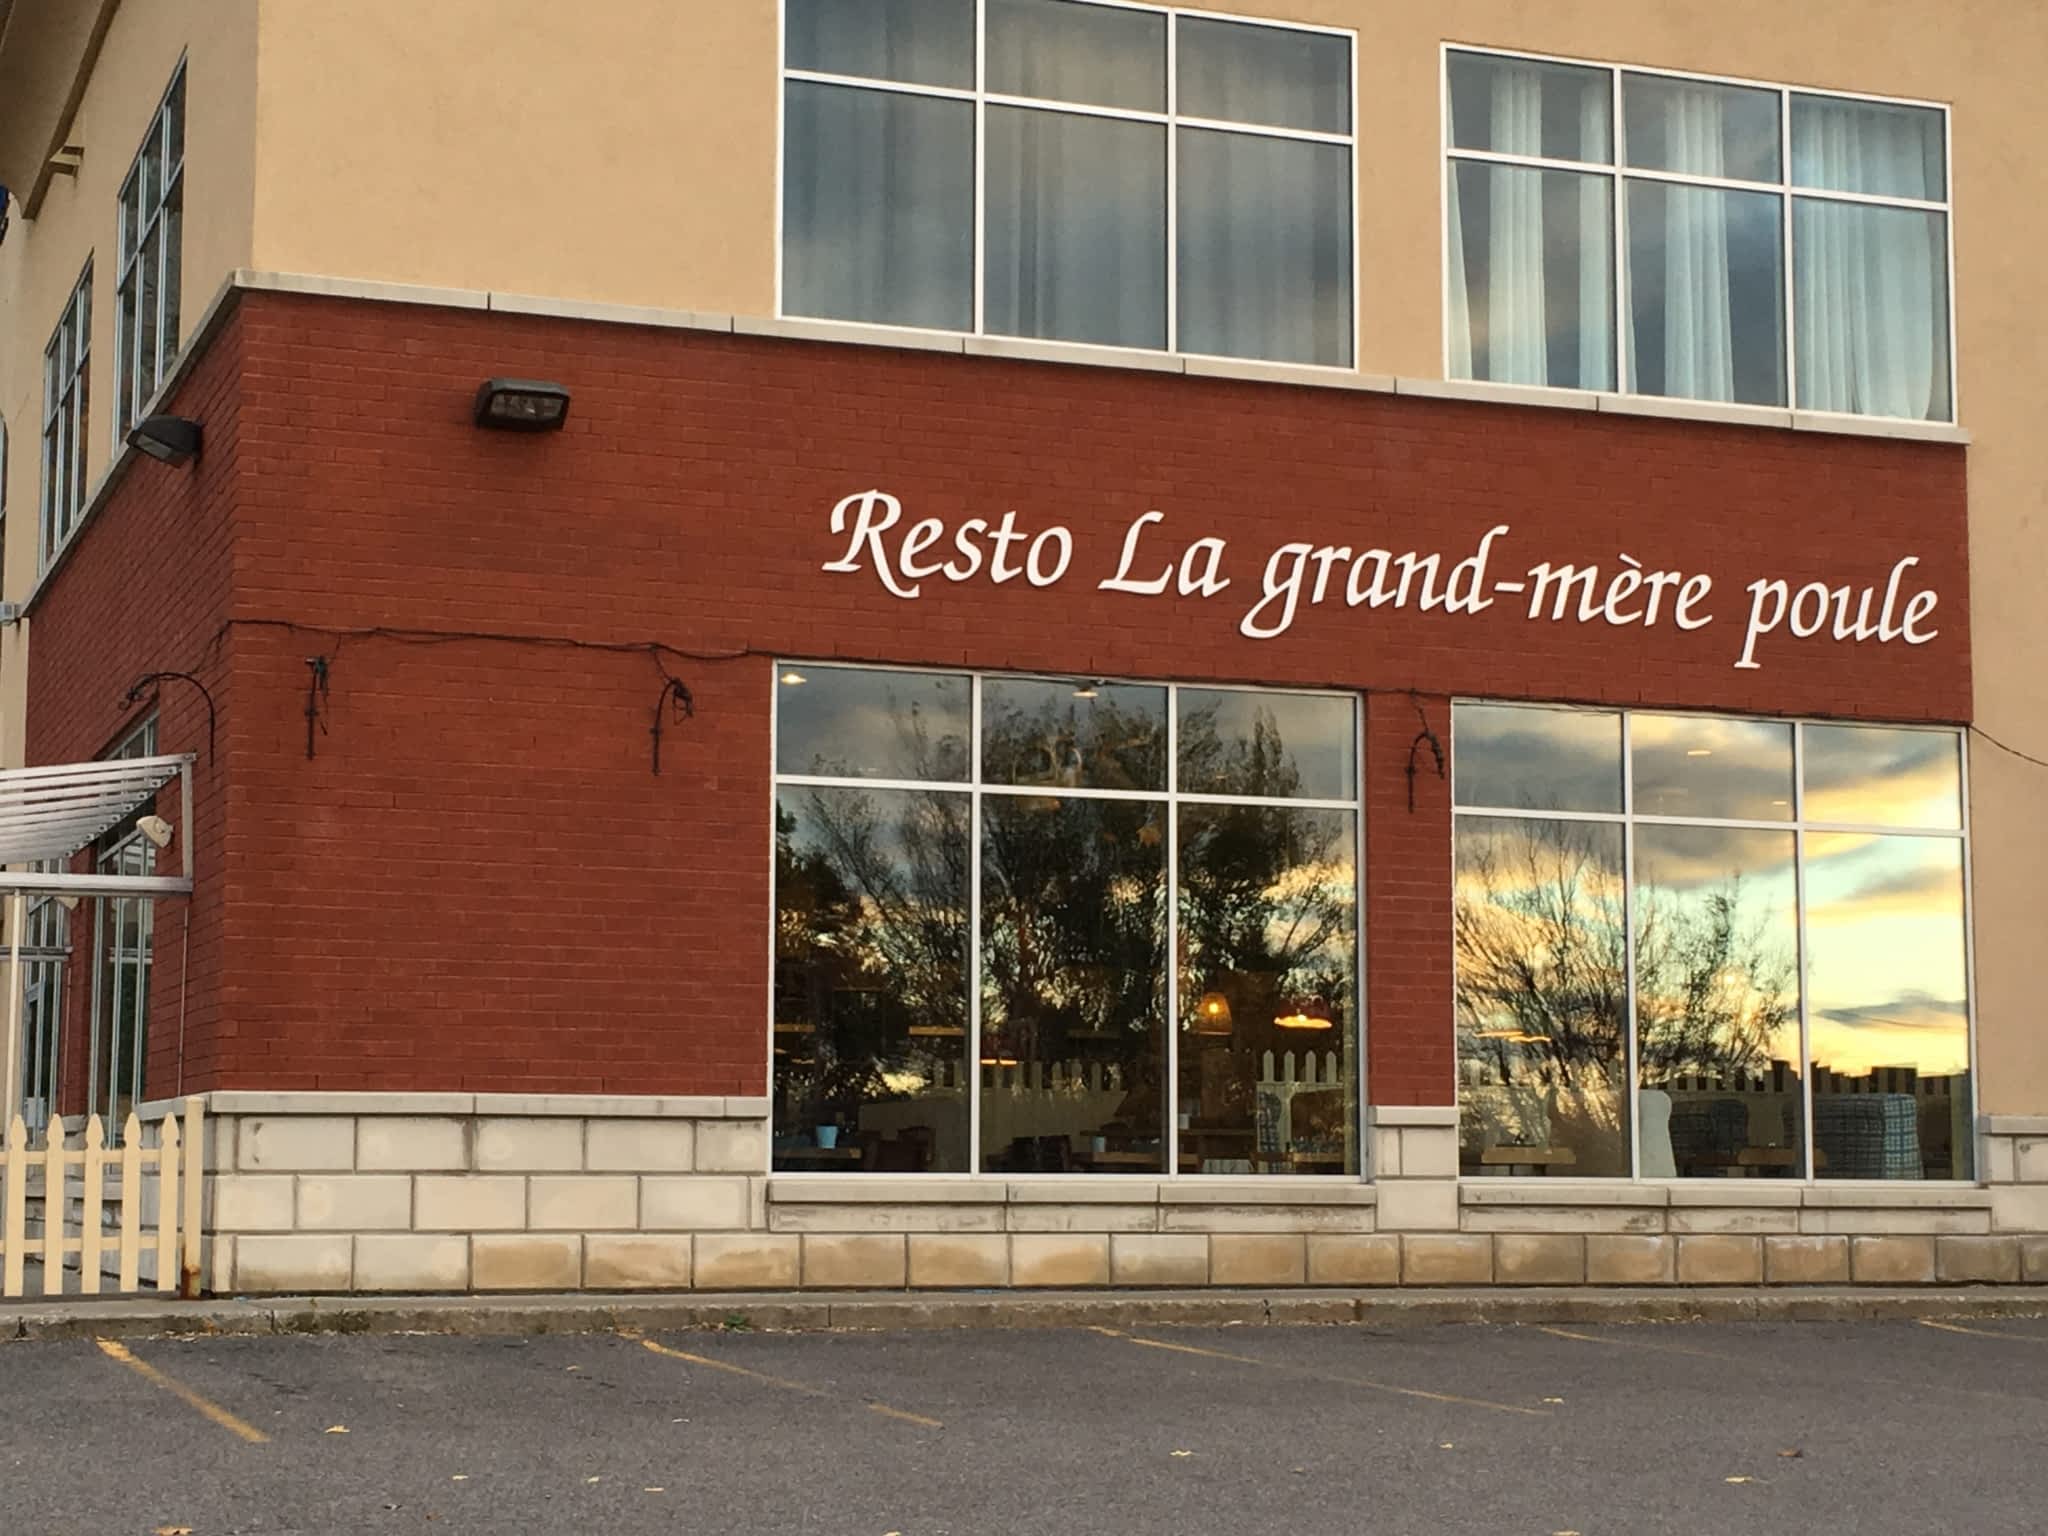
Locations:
(143, 1317)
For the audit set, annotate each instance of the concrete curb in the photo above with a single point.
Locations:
(813, 1312)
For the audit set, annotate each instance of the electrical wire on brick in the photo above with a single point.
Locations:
(1427, 735)
(150, 680)
(675, 703)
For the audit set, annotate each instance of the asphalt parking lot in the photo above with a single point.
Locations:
(1908, 1427)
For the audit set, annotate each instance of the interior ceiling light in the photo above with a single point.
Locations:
(1301, 1021)
(1699, 751)
(792, 678)
(521, 405)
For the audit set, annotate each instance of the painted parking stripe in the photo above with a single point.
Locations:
(1983, 1333)
(1770, 1364)
(787, 1385)
(206, 1406)
(1330, 1376)
(1656, 1344)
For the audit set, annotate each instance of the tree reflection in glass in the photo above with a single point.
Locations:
(1268, 974)
(1717, 1002)
(1062, 734)
(1073, 925)
(871, 896)
(1542, 963)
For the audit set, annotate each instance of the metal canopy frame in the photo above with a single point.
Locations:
(53, 813)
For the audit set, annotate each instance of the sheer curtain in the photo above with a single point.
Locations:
(1265, 248)
(1520, 296)
(1075, 245)
(878, 207)
(1517, 337)
(1699, 344)
(1871, 282)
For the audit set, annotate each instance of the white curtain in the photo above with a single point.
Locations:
(1516, 309)
(1596, 254)
(1871, 283)
(878, 207)
(1265, 248)
(1516, 330)
(1075, 244)
(1699, 343)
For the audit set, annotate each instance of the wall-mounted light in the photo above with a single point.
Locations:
(521, 405)
(167, 439)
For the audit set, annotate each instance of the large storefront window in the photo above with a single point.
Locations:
(1778, 908)
(979, 882)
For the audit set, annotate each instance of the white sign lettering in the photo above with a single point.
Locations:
(1295, 576)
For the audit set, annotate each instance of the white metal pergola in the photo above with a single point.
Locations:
(49, 814)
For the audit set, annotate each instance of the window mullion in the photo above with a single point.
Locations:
(1618, 204)
(974, 814)
(1170, 1133)
(1804, 962)
(1172, 221)
(980, 272)
(1791, 313)
(1631, 1054)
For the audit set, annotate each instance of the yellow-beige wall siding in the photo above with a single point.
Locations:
(621, 151)
(41, 258)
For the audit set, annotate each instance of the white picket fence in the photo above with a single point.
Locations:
(133, 1202)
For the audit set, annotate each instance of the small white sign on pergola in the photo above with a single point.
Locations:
(50, 814)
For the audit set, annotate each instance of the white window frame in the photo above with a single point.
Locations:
(46, 948)
(67, 408)
(1620, 173)
(1628, 818)
(975, 791)
(1171, 119)
(114, 1083)
(146, 242)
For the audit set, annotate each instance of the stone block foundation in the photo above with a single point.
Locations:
(487, 1192)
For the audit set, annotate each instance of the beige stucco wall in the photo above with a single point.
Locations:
(625, 152)
(620, 151)
(41, 258)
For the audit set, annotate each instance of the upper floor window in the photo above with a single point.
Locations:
(1613, 224)
(152, 211)
(67, 389)
(1072, 171)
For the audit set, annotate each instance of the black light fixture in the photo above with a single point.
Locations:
(167, 439)
(522, 405)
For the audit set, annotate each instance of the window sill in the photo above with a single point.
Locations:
(1476, 390)
(1061, 1189)
(1821, 1195)
(489, 1105)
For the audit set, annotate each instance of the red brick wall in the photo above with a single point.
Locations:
(144, 588)
(476, 882)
